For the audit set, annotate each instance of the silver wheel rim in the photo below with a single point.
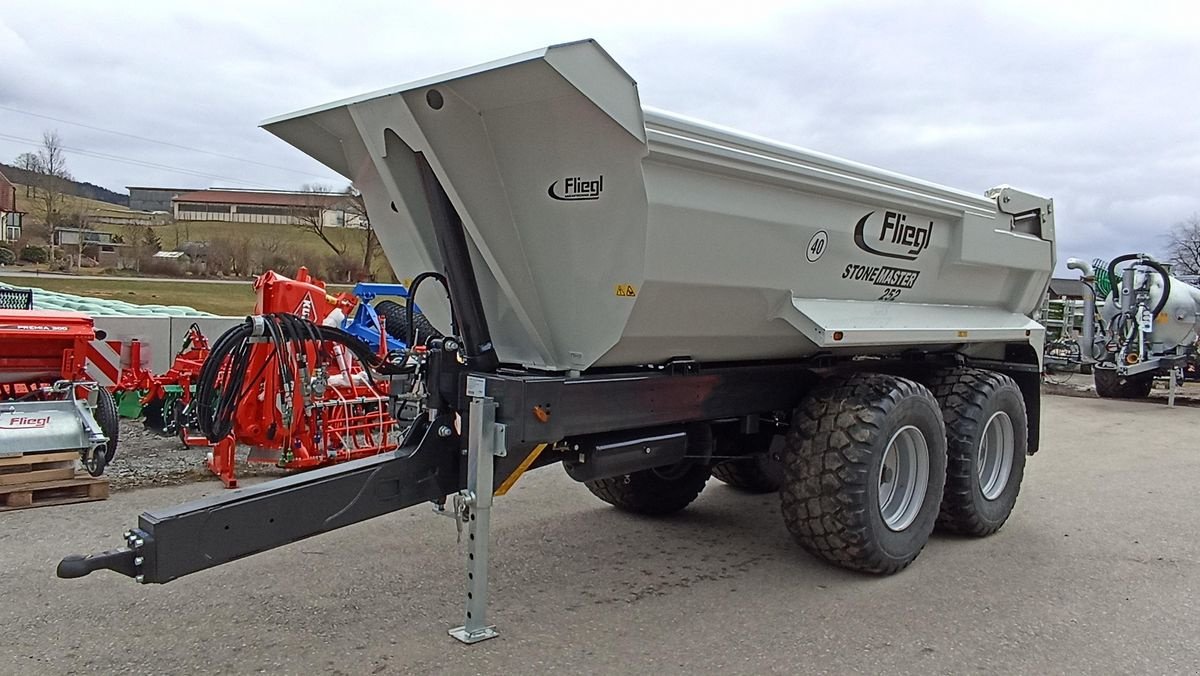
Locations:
(903, 478)
(995, 455)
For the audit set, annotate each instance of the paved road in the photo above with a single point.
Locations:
(1097, 572)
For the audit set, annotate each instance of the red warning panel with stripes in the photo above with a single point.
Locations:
(104, 361)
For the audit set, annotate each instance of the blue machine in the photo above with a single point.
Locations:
(364, 324)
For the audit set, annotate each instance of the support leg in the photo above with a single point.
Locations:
(220, 461)
(477, 500)
(1171, 392)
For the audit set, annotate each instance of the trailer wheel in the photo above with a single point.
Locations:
(653, 492)
(864, 465)
(1109, 385)
(756, 473)
(109, 420)
(396, 323)
(987, 437)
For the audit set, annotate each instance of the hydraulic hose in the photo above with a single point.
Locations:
(410, 306)
(1112, 270)
(1166, 290)
(211, 405)
(216, 402)
(1158, 267)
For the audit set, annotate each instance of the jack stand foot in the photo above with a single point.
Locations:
(469, 637)
(476, 511)
(220, 462)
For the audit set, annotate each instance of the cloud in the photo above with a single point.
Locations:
(1091, 103)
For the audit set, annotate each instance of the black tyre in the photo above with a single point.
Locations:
(987, 438)
(396, 322)
(1109, 385)
(109, 420)
(756, 473)
(864, 465)
(153, 416)
(180, 423)
(654, 492)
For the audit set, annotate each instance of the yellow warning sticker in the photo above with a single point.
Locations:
(626, 291)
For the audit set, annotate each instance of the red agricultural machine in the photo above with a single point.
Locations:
(162, 400)
(289, 383)
(47, 400)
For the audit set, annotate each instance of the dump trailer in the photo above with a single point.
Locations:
(652, 301)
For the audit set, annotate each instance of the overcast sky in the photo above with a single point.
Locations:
(1096, 104)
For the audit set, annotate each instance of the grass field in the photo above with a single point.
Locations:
(303, 247)
(308, 248)
(36, 208)
(221, 299)
(305, 243)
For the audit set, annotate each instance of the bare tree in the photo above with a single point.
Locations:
(1183, 245)
(266, 253)
(275, 253)
(309, 214)
(30, 163)
(356, 211)
(53, 175)
(230, 255)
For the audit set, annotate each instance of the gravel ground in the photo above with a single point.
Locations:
(145, 458)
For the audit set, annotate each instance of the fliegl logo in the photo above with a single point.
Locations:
(20, 422)
(575, 189)
(897, 238)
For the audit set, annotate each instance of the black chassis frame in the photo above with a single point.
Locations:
(431, 463)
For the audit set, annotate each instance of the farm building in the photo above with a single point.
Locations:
(104, 247)
(118, 216)
(10, 217)
(331, 210)
(142, 198)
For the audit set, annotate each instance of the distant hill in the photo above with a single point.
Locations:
(89, 191)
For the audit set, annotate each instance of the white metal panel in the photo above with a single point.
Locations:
(153, 332)
(832, 324)
(685, 239)
(211, 327)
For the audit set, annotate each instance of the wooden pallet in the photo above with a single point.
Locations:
(40, 479)
(31, 467)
